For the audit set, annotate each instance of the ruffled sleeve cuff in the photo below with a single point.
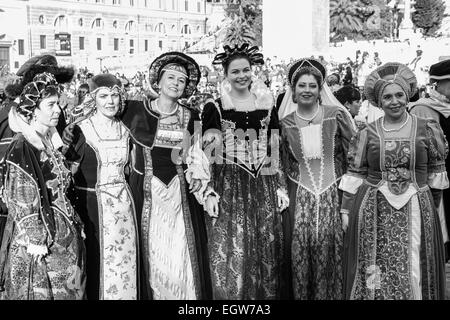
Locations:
(438, 180)
(350, 183)
(198, 168)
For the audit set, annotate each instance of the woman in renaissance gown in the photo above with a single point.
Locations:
(394, 246)
(42, 256)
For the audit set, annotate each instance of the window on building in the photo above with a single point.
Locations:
(80, 22)
(160, 4)
(21, 47)
(116, 44)
(145, 3)
(99, 44)
(146, 45)
(186, 5)
(186, 29)
(160, 44)
(173, 5)
(81, 43)
(43, 41)
(41, 19)
(132, 3)
(131, 43)
(98, 23)
(61, 23)
(199, 7)
(115, 24)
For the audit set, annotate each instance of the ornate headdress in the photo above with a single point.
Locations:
(391, 72)
(179, 62)
(255, 57)
(100, 81)
(32, 92)
(311, 65)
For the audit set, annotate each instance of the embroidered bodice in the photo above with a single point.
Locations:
(316, 170)
(112, 152)
(245, 135)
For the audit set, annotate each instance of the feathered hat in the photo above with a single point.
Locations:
(36, 65)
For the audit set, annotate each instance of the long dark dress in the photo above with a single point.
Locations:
(394, 247)
(103, 198)
(174, 256)
(246, 246)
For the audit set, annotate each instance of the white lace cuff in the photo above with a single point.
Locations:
(438, 180)
(350, 183)
(198, 168)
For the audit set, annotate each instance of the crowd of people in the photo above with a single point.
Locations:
(250, 180)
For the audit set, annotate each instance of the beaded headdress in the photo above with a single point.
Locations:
(313, 66)
(168, 61)
(33, 91)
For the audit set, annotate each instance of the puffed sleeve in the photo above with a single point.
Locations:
(357, 169)
(22, 198)
(75, 153)
(437, 153)
(211, 117)
(344, 134)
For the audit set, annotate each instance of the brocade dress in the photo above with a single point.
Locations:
(314, 157)
(245, 242)
(394, 247)
(41, 222)
(103, 198)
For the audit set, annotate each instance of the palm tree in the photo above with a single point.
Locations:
(345, 17)
(239, 32)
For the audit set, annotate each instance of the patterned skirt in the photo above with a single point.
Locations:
(60, 275)
(394, 254)
(245, 242)
(317, 245)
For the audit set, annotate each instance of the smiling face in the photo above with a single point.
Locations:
(172, 84)
(393, 101)
(306, 90)
(47, 114)
(107, 102)
(239, 74)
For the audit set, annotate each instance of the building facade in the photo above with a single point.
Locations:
(116, 34)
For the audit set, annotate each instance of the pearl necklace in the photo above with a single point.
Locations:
(395, 129)
(310, 119)
(165, 113)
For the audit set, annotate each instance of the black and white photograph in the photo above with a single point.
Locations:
(226, 155)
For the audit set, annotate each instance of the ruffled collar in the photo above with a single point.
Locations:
(18, 124)
(264, 99)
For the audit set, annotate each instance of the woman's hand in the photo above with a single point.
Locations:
(195, 185)
(212, 206)
(283, 199)
(344, 218)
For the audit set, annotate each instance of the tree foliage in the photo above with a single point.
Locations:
(344, 17)
(428, 15)
(246, 26)
(360, 19)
